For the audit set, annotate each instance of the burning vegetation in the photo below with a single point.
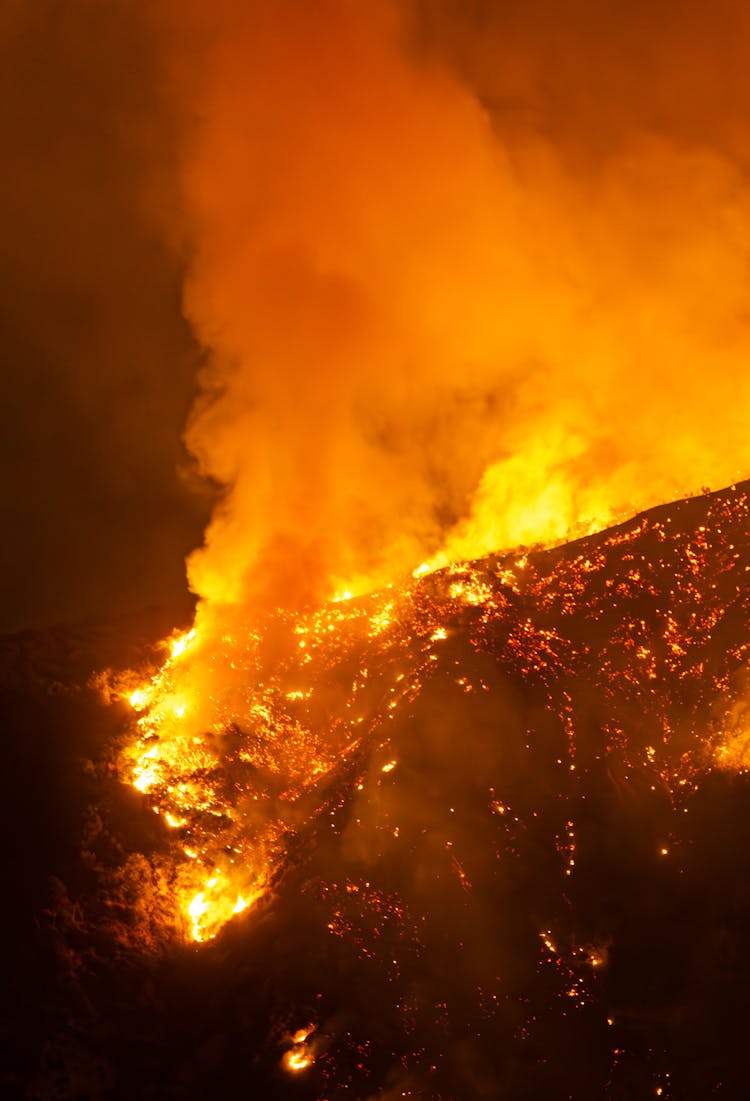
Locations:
(407, 759)
(242, 746)
(434, 834)
(427, 336)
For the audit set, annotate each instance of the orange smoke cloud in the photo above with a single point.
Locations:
(430, 334)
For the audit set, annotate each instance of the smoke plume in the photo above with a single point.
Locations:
(465, 279)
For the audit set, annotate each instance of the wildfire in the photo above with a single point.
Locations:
(297, 1059)
(224, 738)
(180, 644)
(299, 727)
(237, 739)
(300, 1056)
(448, 320)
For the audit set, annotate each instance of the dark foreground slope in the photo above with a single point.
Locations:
(535, 883)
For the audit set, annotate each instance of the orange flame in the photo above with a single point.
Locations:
(427, 339)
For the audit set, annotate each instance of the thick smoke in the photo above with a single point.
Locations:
(464, 280)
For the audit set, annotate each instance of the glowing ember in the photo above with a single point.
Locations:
(196, 909)
(236, 740)
(297, 1059)
(302, 1034)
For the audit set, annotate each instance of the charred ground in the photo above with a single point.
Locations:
(529, 880)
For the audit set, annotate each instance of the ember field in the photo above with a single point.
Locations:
(489, 831)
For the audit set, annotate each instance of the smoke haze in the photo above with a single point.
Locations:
(465, 280)
(463, 276)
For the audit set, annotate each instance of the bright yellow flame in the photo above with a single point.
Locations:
(225, 859)
(196, 910)
(180, 644)
(211, 908)
(198, 906)
(298, 1059)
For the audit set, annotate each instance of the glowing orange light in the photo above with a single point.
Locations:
(298, 1059)
(180, 644)
(302, 1034)
(196, 909)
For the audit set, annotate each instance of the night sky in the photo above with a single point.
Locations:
(98, 366)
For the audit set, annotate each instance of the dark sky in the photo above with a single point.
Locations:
(98, 365)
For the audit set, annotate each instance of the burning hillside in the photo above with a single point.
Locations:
(475, 836)
(243, 744)
(454, 279)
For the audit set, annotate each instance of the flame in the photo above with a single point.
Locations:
(426, 341)
(196, 909)
(139, 698)
(302, 1034)
(490, 334)
(229, 843)
(238, 738)
(298, 1059)
(180, 643)
(300, 1056)
(211, 908)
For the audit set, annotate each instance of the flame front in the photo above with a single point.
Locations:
(231, 751)
(224, 870)
(426, 340)
(248, 737)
